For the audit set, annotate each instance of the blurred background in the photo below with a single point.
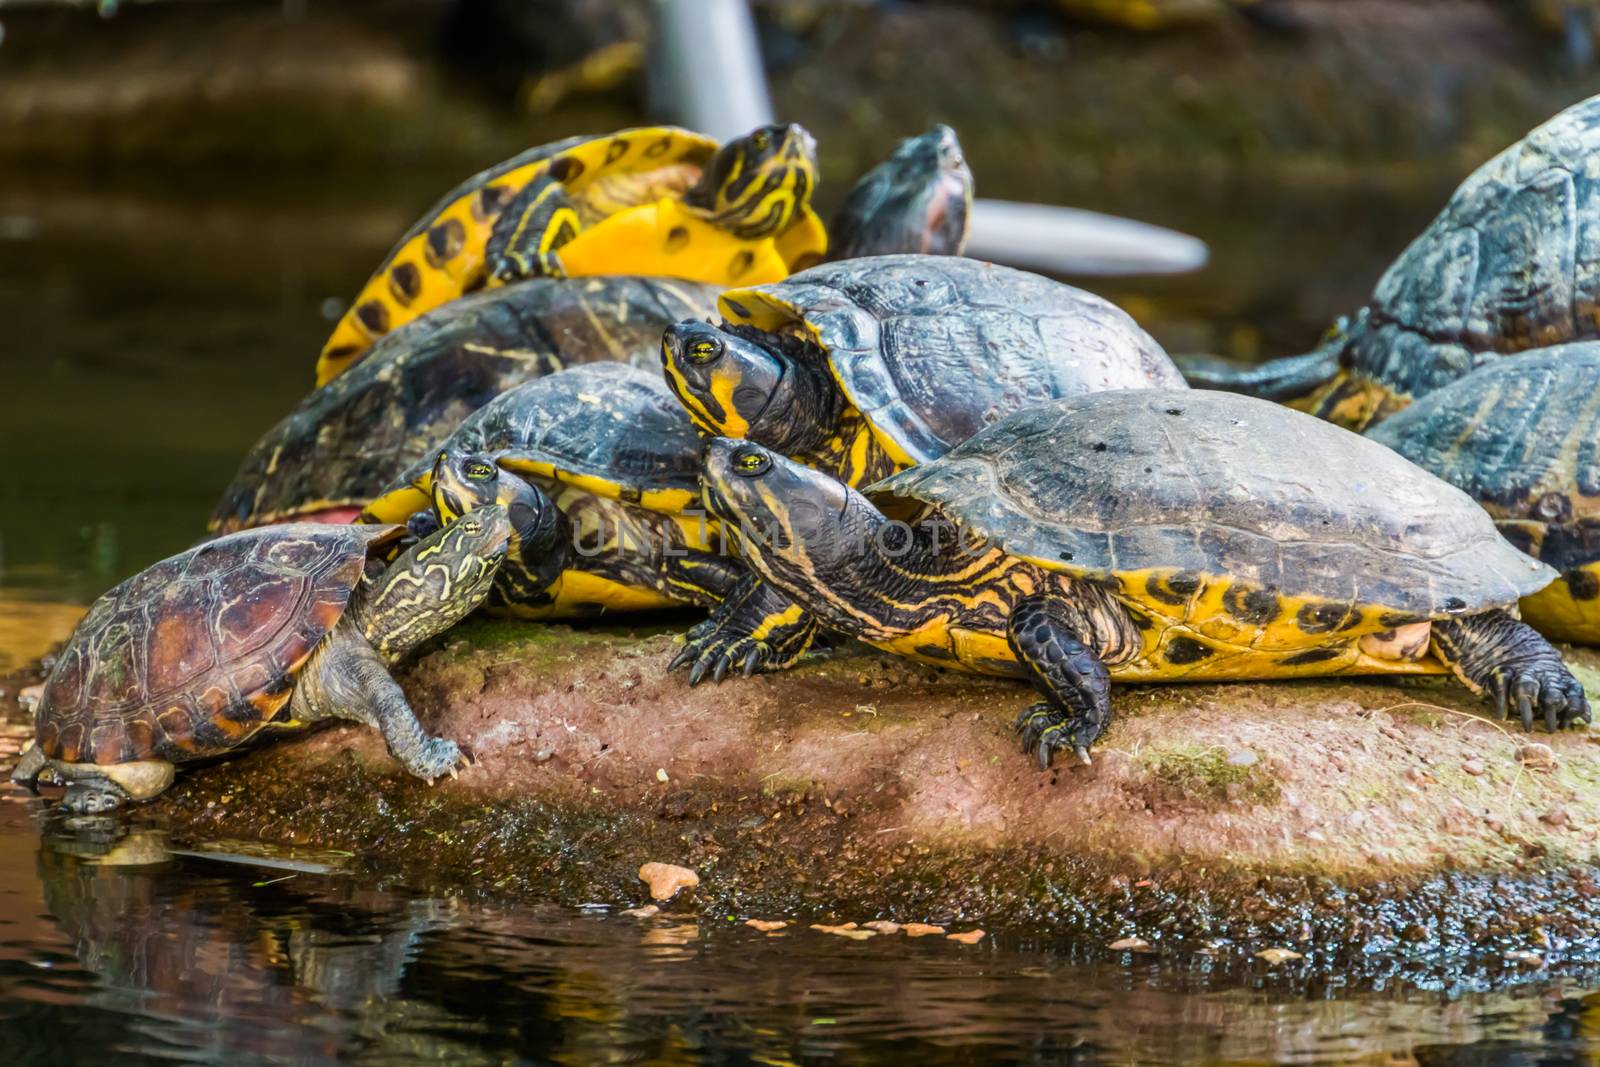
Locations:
(191, 189)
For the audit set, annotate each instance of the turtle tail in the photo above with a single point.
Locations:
(29, 767)
(1284, 379)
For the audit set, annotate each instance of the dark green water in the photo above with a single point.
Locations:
(155, 325)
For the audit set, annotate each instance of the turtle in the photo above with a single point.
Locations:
(347, 441)
(1521, 436)
(598, 467)
(1511, 263)
(1158, 15)
(1152, 535)
(917, 200)
(251, 634)
(866, 366)
(657, 201)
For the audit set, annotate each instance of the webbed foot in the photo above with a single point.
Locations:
(1515, 667)
(757, 628)
(438, 757)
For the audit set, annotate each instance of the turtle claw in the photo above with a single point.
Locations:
(751, 661)
(685, 655)
(698, 672)
(1046, 729)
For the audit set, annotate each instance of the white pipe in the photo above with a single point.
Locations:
(1073, 241)
(708, 66)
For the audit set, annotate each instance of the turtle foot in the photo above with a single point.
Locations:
(93, 798)
(439, 757)
(1046, 729)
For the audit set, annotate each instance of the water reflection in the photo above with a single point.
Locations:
(157, 957)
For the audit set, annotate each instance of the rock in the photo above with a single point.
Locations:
(766, 926)
(921, 929)
(970, 937)
(1556, 816)
(665, 879)
(643, 913)
(1129, 944)
(1276, 956)
(882, 926)
(850, 930)
(1536, 755)
(1530, 960)
(1474, 767)
(1243, 758)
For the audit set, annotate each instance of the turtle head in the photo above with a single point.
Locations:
(759, 184)
(466, 482)
(917, 200)
(738, 381)
(797, 526)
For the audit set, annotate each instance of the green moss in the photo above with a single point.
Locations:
(1210, 774)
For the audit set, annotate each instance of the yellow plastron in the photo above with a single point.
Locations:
(666, 240)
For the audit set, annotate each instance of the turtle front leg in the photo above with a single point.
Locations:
(522, 244)
(1510, 663)
(1049, 639)
(347, 680)
(756, 628)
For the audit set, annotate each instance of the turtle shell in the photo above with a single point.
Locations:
(611, 428)
(189, 657)
(931, 349)
(1511, 263)
(442, 255)
(1522, 437)
(1174, 494)
(356, 435)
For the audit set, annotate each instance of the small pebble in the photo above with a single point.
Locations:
(643, 913)
(1129, 944)
(1278, 955)
(661, 774)
(921, 929)
(1474, 767)
(1525, 959)
(1556, 816)
(1535, 754)
(971, 937)
(1243, 758)
(766, 926)
(882, 926)
(665, 879)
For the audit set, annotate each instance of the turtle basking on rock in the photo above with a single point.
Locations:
(351, 439)
(657, 201)
(256, 632)
(1152, 535)
(865, 367)
(598, 468)
(1521, 436)
(1511, 263)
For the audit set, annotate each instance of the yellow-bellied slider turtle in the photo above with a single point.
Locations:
(349, 440)
(1509, 264)
(917, 200)
(1522, 437)
(598, 468)
(658, 201)
(864, 367)
(1152, 535)
(260, 630)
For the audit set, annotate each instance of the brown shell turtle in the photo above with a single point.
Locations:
(258, 631)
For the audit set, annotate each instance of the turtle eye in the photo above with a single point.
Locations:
(703, 352)
(752, 463)
(479, 472)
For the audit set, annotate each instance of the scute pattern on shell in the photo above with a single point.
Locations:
(607, 421)
(1216, 483)
(185, 658)
(1522, 437)
(932, 348)
(357, 434)
(1511, 263)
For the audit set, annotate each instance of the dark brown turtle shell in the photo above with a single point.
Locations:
(351, 438)
(188, 658)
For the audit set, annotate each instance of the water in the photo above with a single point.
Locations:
(155, 325)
